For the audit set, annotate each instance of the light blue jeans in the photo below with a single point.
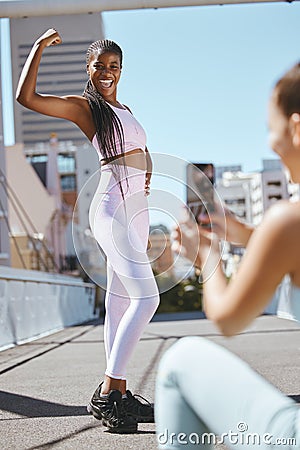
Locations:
(206, 395)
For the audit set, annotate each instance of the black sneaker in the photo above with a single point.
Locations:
(141, 412)
(111, 411)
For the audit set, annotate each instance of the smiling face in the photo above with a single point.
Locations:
(284, 138)
(104, 70)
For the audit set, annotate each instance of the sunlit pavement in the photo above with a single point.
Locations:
(46, 384)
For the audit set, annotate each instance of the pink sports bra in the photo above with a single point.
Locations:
(134, 133)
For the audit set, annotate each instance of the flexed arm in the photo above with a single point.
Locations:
(26, 90)
(68, 107)
(228, 226)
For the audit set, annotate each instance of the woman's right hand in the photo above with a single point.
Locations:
(50, 37)
(227, 226)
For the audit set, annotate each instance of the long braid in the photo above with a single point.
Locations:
(109, 130)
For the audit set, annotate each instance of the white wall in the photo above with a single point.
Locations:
(30, 191)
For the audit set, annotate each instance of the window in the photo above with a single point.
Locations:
(274, 197)
(235, 201)
(274, 183)
(37, 158)
(68, 182)
(66, 163)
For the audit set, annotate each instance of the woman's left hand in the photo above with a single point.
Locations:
(147, 183)
(194, 242)
(186, 240)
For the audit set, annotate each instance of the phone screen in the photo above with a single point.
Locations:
(200, 189)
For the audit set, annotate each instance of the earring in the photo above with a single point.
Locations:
(295, 117)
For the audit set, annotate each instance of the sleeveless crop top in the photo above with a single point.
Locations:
(134, 133)
(289, 300)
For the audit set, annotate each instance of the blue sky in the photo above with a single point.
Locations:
(199, 78)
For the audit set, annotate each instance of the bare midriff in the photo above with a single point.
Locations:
(134, 158)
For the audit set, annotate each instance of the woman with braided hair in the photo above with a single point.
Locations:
(119, 216)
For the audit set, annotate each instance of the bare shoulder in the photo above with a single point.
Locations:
(278, 234)
(284, 215)
(78, 100)
(83, 114)
(279, 231)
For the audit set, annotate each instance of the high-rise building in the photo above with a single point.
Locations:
(77, 172)
(235, 190)
(62, 70)
(274, 182)
(219, 170)
(249, 195)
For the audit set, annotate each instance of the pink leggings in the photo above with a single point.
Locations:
(121, 227)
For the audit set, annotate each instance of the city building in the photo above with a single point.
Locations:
(234, 190)
(219, 170)
(249, 195)
(76, 167)
(78, 170)
(274, 182)
(61, 155)
(31, 210)
(62, 70)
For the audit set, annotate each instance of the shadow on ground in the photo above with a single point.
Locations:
(32, 407)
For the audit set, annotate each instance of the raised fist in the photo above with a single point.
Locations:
(50, 37)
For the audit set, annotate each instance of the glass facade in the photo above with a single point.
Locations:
(68, 182)
(66, 163)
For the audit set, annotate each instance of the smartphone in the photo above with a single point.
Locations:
(200, 179)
